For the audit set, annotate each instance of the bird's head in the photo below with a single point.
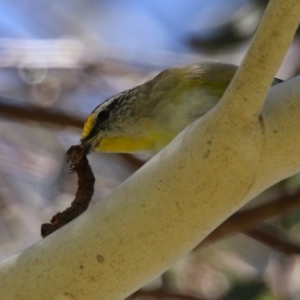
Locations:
(116, 125)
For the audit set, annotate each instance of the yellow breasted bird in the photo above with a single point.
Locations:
(147, 117)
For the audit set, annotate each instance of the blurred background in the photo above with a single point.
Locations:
(60, 59)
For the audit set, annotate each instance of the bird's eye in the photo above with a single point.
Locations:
(103, 116)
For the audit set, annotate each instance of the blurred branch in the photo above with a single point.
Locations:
(19, 111)
(273, 242)
(252, 217)
(134, 161)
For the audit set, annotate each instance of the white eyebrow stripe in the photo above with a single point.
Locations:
(119, 97)
(104, 104)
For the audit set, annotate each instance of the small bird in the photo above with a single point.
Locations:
(146, 118)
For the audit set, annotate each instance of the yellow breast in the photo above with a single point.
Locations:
(122, 144)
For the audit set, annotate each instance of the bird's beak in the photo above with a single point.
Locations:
(89, 143)
(86, 147)
(90, 138)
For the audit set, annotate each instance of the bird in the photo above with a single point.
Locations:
(148, 117)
